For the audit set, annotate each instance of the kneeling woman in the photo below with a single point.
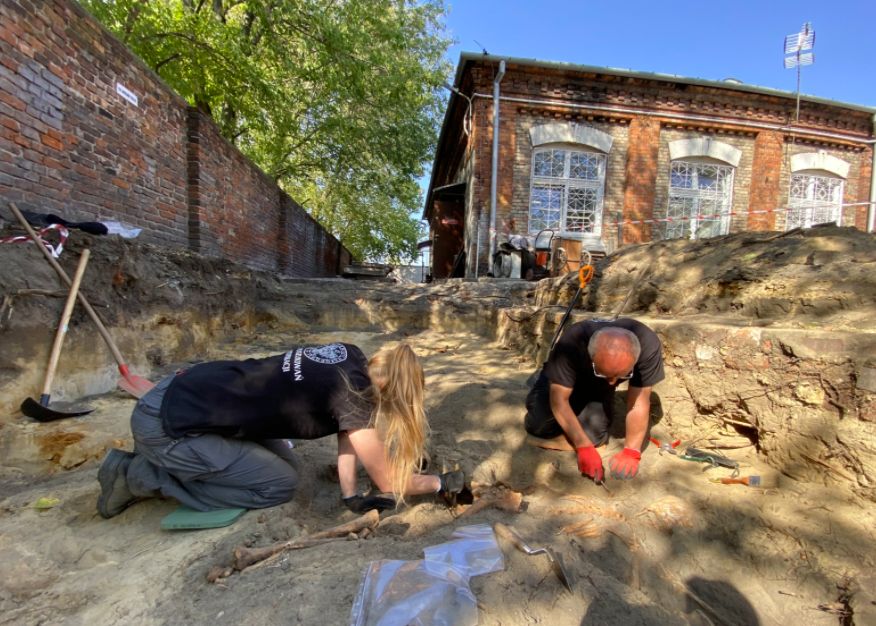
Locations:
(216, 435)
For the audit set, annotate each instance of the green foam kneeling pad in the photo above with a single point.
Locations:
(185, 518)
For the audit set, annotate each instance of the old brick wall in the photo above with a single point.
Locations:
(239, 207)
(766, 177)
(73, 145)
(640, 179)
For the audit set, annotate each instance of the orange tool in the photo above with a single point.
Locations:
(750, 481)
(665, 447)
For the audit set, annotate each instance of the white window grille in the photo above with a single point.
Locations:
(814, 200)
(567, 191)
(700, 198)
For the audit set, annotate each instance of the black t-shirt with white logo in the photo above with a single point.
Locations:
(302, 394)
(570, 365)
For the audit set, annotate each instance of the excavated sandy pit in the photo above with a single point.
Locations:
(770, 347)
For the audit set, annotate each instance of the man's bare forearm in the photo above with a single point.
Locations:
(566, 417)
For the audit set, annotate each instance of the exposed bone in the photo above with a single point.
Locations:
(499, 497)
(219, 573)
(246, 557)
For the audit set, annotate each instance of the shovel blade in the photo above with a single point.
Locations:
(135, 385)
(37, 411)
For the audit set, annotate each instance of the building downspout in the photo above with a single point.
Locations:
(495, 172)
(871, 210)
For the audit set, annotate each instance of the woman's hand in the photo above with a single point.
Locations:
(451, 483)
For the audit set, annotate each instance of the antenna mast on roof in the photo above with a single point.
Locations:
(798, 52)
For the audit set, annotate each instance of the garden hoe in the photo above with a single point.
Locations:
(40, 410)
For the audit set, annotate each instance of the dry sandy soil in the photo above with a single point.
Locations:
(669, 547)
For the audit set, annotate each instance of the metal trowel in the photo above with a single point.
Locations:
(556, 562)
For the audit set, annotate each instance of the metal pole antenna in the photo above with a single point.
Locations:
(797, 117)
(798, 52)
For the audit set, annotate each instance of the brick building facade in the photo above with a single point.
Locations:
(89, 132)
(606, 157)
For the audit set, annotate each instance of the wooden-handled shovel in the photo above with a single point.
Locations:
(40, 410)
(137, 386)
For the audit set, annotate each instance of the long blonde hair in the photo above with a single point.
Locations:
(399, 416)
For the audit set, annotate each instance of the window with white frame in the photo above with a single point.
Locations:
(814, 199)
(700, 198)
(567, 191)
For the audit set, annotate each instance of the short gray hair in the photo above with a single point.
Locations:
(615, 333)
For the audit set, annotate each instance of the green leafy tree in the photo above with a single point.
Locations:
(338, 100)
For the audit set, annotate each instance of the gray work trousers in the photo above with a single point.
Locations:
(206, 472)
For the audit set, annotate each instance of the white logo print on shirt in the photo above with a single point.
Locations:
(329, 355)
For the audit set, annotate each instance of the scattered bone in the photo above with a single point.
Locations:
(496, 496)
(219, 573)
(589, 528)
(667, 513)
(583, 504)
(248, 557)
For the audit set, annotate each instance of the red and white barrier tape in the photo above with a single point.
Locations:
(56, 249)
(714, 216)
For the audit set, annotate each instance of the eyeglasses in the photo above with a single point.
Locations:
(626, 376)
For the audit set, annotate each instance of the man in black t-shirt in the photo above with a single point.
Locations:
(574, 392)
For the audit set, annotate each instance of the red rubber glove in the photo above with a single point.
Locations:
(625, 464)
(590, 463)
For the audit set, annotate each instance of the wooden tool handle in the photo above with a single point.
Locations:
(508, 533)
(62, 326)
(60, 270)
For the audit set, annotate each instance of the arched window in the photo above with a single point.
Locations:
(568, 179)
(816, 191)
(700, 188)
(567, 191)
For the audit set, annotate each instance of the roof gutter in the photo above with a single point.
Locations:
(495, 171)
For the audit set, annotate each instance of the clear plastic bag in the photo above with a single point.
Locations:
(421, 593)
(472, 549)
(431, 592)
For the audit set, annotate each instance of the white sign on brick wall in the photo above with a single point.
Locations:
(126, 93)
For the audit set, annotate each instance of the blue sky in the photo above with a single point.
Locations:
(710, 40)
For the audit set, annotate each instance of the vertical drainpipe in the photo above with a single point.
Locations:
(871, 210)
(495, 172)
